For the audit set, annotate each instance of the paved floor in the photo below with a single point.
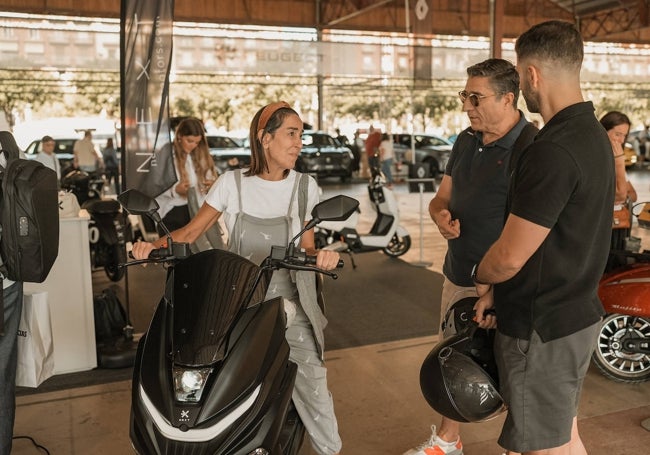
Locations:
(376, 390)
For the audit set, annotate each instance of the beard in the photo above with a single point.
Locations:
(531, 98)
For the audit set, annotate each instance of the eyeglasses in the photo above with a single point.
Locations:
(474, 98)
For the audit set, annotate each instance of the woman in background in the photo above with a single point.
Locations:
(194, 167)
(617, 126)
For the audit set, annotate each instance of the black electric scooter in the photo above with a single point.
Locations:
(212, 373)
(108, 227)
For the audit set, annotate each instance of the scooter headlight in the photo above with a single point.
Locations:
(189, 383)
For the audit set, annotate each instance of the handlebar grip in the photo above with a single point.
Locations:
(158, 253)
(311, 260)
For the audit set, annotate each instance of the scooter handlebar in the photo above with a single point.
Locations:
(311, 260)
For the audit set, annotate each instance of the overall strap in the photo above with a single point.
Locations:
(302, 197)
(238, 184)
(293, 194)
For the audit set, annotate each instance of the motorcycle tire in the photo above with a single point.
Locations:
(611, 357)
(118, 256)
(398, 245)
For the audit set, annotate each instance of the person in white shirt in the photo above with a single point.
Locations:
(48, 157)
(386, 155)
(86, 157)
(195, 169)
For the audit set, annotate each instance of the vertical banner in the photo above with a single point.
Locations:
(422, 57)
(146, 30)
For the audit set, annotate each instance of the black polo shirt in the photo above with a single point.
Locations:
(479, 178)
(563, 181)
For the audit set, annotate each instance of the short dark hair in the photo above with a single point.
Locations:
(558, 42)
(47, 139)
(502, 76)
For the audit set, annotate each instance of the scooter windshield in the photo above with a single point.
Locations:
(210, 288)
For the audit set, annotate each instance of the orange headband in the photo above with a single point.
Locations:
(268, 111)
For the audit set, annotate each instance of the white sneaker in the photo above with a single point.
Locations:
(436, 446)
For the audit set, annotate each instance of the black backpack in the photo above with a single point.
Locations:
(110, 317)
(29, 216)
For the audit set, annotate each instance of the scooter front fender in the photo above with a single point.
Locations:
(401, 231)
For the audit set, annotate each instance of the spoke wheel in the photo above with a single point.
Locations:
(611, 356)
(398, 245)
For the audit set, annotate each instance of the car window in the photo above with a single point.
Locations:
(307, 139)
(428, 141)
(62, 146)
(220, 142)
(403, 139)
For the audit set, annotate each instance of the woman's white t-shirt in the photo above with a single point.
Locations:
(260, 198)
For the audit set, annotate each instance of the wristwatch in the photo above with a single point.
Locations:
(474, 279)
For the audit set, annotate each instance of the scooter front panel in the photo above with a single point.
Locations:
(210, 289)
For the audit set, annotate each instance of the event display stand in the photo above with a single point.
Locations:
(70, 297)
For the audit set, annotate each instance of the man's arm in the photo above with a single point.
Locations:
(518, 242)
(439, 210)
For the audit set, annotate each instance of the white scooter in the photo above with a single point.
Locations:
(386, 233)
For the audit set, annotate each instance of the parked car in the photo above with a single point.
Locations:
(429, 148)
(324, 156)
(226, 153)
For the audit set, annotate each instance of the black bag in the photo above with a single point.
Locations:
(110, 317)
(29, 216)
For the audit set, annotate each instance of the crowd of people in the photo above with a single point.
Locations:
(513, 203)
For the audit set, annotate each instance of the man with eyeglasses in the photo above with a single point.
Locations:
(469, 206)
(542, 273)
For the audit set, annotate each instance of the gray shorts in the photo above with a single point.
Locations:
(541, 384)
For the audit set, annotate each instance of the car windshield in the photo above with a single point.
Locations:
(428, 141)
(317, 140)
(221, 142)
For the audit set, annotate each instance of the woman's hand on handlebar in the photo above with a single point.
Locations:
(142, 249)
(327, 260)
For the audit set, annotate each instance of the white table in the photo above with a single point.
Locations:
(70, 295)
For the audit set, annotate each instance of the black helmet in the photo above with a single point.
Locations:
(459, 316)
(459, 377)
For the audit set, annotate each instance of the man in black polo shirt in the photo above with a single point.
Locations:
(469, 206)
(542, 273)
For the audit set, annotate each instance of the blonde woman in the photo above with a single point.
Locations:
(195, 169)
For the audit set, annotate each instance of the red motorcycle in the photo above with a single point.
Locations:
(623, 349)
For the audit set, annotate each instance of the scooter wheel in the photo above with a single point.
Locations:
(118, 256)
(611, 356)
(398, 245)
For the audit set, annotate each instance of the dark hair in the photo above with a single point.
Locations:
(47, 139)
(557, 42)
(258, 159)
(613, 119)
(502, 76)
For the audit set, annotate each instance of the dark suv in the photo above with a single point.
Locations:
(227, 153)
(429, 148)
(323, 155)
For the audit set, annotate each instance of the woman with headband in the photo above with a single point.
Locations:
(267, 195)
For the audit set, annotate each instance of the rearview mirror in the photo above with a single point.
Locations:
(138, 203)
(338, 208)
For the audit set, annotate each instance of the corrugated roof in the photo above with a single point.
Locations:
(588, 7)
